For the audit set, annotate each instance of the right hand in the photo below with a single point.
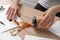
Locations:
(48, 18)
(13, 11)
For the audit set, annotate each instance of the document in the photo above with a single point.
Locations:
(29, 37)
(4, 23)
(55, 28)
(8, 36)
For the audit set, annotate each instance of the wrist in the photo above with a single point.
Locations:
(53, 10)
(56, 9)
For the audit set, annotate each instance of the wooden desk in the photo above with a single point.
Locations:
(27, 14)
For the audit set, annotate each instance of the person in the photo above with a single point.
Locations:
(50, 8)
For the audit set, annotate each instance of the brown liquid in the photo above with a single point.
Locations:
(22, 25)
(25, 25)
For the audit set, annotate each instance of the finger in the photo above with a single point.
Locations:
(44, 14)
(46, 22)
(49, 25)
(14, 15)
(11, 14)
(8, 10)
(19, 13)
(8, 14)
(43, 20)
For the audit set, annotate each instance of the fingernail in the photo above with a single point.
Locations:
(10, 20)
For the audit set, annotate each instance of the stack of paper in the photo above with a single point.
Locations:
(29, 37)
(55, 28)
(8, 36)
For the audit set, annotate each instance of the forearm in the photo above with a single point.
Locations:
(56, 9)
(15, 1)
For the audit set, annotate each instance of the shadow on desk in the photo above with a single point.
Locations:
(46, 33)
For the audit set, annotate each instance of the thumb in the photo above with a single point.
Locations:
(44, 13)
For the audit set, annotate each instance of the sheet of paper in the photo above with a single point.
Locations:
(29, 37)
(55, 28)
(3, 18)
(8, 36)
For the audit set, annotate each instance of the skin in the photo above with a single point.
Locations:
(48, 16)
(14, 10)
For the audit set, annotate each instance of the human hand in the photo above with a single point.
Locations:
(13, 11)
(48, 18)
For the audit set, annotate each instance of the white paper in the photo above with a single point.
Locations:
(3, 17)
(55, 28)
(29, 37)
(8, 36)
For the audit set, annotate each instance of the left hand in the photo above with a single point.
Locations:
(48, 18)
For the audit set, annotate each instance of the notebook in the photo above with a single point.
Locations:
(3, 18)
(29, 37)
(55, 28)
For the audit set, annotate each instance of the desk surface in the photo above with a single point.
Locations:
(27, 14)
